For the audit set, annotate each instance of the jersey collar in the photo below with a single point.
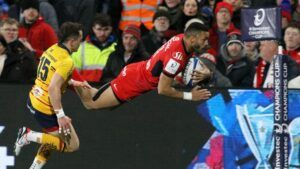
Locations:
(64, 47)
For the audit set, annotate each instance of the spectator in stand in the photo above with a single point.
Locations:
(264, 70)
(81, 11)
(207, 11)
(233, 62)
(139, 13)
(128, 51)
(190, 9)
(236, 16)
(47, 11)
(19, 63)
(160, 33)
(252, 52)
(292, 41)
(34, 32)
(93, 53)
(173, 7)
(222, 26)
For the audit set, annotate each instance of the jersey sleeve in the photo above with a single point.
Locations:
(65, 68)
(173, 64)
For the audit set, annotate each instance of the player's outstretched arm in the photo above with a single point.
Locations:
(83, 84)
(165, 88)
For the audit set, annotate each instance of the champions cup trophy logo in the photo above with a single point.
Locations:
(257, 130)
(259, 17)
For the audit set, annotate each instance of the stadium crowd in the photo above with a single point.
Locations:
(117, 33)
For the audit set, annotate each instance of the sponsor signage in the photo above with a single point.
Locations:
(261, 24)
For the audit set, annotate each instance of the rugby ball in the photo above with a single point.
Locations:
(193, 64)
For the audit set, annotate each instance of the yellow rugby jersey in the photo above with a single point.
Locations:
(56, 59)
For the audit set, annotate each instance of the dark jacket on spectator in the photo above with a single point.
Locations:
(240, 72)
(172, 11)
(181, 19)
(116, 61)
(217, 80)
(81, 11)
(152, 41)
(19, 65)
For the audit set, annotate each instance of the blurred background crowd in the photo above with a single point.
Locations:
(120, 32)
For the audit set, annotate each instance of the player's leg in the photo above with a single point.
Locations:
(41, 157)
(97, 98)
(105, 99)
(123, 88)
(45, 150)
(26, 135)
(49, 143)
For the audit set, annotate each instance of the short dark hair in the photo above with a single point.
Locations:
(195, 28)
(69, 30)
(294, 25)
(102, 20)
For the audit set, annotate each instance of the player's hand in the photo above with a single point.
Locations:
(84, 84)
(200, 75)
(64, 124)
(200, 94)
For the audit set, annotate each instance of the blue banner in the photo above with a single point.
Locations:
(281, 129)
(261, 24)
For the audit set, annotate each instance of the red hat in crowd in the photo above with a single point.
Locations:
(224, 5)
(287, 15)
(133, 30)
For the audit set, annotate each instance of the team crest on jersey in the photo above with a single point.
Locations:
(37, 91)
(172, 66)
(177, 55)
